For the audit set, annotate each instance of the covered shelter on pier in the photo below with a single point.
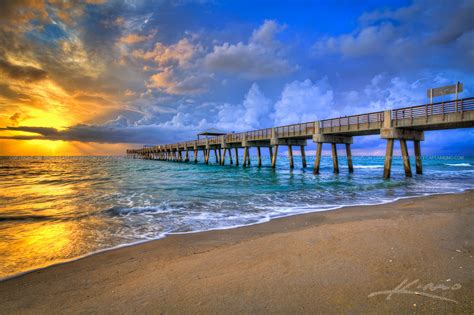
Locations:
(212, 132)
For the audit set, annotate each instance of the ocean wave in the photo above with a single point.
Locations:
(368, 166)
(120, 211)
(458, 164)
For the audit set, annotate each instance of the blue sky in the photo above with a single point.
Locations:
(150, 72)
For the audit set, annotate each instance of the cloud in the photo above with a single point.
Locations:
(168, 81)
(15, 118)
(20, 11)
(131, 39)
(261, 57)
(113, 133)
(408, 37)
(371, 40)
(25, 73)
(178, 73)
(253, 113)
(179, 53)
(304, 101)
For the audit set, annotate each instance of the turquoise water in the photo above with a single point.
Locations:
(58, 208)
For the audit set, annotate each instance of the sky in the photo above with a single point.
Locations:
(97, 77)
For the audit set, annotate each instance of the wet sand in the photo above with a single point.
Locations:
(326, 262)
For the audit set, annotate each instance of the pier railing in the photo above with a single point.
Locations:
(439, 108)
(261, 134)
(295, 130)
(358, 120)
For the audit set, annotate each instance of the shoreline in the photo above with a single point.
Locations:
(172, 266)
(165, 235)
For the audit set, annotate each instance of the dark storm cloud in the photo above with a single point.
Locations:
(25, 73)
(117, 132)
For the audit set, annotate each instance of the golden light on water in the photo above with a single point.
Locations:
(41, 225)
(38, 244)
(59, 148)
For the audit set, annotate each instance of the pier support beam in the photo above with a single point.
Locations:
(388, 159)
(207, 152)
(186, 157)
(246, 152)
(217, 157)
(317, 158)
(333, 140)
(419, 168)
(223, 156)
(335, 162)
(349, 158)
(270, 151)
(290, 156)
(406, 158)
(230, 156)
(236, 156)
(275, 142)
(196, 155)
(303, 156)
(275, 154)
(259, 157)
(402, 134)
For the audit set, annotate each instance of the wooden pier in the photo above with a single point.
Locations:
(401, 124)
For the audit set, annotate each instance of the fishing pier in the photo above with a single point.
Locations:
(401, 124)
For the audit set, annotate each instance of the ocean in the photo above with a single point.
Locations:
(55, 209)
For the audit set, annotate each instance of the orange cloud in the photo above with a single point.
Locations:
(181, 53)
(132, 39)
(15, 118)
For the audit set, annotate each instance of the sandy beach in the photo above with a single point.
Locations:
(337, 261)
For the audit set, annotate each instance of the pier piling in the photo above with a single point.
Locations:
(419, 168)
(303, 156)
(290, 156)
(406, 158)
(246, 150)
(275, 154)
(388, 159)
(317, 158)
(349, 158)
(223, 156)
(230, 156)
(259, 157)
(335, 162)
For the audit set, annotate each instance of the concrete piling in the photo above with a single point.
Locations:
(406, 158)
(275, 154)
(303, 156)
(236, 157)
(317, 158)
(419, 168)
(349, 158)
(259, 157)
(335, 162)
(388, 159)
(290, 156)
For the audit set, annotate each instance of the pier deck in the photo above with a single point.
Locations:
(402, 124)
